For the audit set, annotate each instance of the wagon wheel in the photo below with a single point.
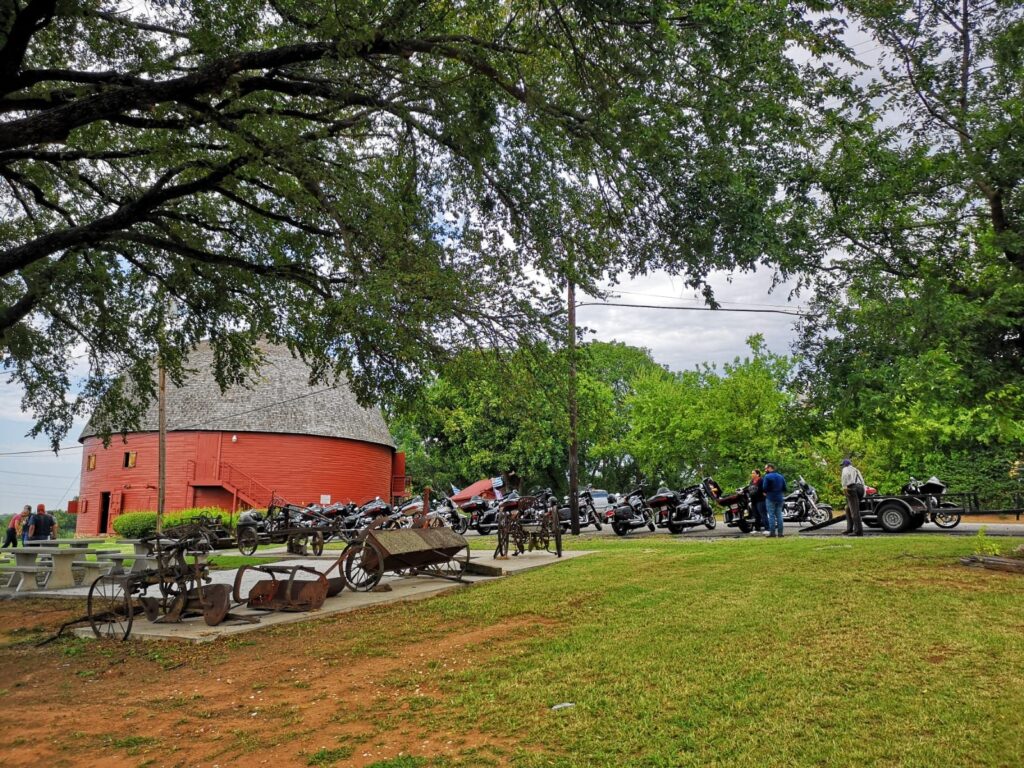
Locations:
(110, 608)
(452, 568)
(216, 603)
(362, 566)
(248, 540)
(316, 543)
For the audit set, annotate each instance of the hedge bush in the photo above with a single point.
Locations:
(135, 525)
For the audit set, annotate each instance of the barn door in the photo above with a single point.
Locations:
(207, 456)
(114, 509)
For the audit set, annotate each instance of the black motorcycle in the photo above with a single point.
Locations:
(588, 512)
(631, 513)
(739, 508)
(678, 511)
(932, 489)
(446, 512)
(483, 515)
(802, 506)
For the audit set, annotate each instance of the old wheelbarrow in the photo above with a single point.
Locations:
(283, 591)
(437, 552)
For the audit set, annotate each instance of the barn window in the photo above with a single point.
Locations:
(91, 461)
(129, 459)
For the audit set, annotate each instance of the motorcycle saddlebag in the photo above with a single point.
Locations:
(625, 512)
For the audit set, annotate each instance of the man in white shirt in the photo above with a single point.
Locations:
(853, 486)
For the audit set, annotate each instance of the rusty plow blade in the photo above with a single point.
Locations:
(283, 591)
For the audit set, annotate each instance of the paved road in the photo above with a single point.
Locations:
(722, 532)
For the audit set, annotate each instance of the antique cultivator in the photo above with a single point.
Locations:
(179, 588)
(301, 529)
(283, 591)
(419, 550)
(528, 523)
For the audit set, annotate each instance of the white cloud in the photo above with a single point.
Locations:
(684, 339)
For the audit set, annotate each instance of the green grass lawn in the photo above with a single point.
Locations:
(744, 653)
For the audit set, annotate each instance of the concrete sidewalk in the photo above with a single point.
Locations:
(401, 588)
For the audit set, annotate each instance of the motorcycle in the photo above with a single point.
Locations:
(802, 506)
(483, 515)
(631, 513)
(932, 489)
(447, 513)
(588, 512)
(739, 509)
(678, 511)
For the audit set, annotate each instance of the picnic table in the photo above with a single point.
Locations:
(82, 543)
(61, 576)
(143, 556)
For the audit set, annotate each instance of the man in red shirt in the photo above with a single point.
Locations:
(15, 526)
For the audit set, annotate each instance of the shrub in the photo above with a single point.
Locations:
(135, 525)
(67, 523)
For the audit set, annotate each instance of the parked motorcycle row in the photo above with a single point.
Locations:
(675, 511)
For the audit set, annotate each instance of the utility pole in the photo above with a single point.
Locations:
(161, 485)
(574, 485)
(161, 446)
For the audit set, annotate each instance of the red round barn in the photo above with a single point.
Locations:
(279, 436)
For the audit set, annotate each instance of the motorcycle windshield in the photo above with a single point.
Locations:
(934, 486)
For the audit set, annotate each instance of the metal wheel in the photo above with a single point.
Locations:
(820, 514)
(710, 521)
(362, 566)
(109, 608)
(216, 603)
(893, 518)
(248, 540)
(316, 543)
(946, 519)
(451, 569)
(462, 525)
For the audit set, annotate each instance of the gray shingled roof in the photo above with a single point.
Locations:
(279, 400)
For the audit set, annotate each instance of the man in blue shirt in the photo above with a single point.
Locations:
(774, 487)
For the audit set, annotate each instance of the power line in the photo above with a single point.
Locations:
(723, 303)
(692, 309)
(32, 474)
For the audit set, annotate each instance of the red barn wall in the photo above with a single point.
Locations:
(299, 468)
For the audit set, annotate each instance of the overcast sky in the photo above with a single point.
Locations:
(678, 339)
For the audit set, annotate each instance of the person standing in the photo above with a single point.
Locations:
(853, 486)
(41, 526)
(16, 526)
(756, 493)
(774, 486)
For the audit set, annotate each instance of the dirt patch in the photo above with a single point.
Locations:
(21, 619)
(274, 698)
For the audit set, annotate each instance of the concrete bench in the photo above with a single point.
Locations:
(91, 569)
(19, 576)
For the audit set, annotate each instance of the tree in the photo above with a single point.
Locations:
(359, 180)
(484, 415)
(924, 192)
(687, 425)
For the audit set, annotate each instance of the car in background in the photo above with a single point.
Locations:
(605, 511)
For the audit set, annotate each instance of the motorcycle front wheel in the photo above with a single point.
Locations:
(822, 514)
(946, 520)
(710, 522)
